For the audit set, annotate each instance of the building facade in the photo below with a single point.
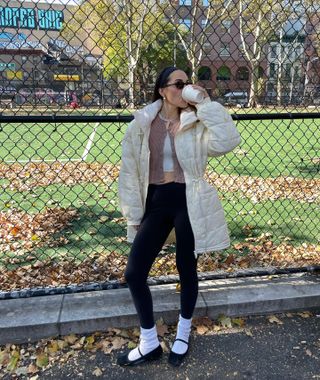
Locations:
(36, 63)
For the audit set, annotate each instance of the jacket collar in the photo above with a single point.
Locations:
(146, 115)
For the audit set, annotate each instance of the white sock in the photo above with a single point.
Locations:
(183, 332)
(148, 342)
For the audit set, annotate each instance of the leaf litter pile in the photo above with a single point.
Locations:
(30, 360)
(26, 177)
(21, 233)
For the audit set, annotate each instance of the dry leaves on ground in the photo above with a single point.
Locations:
(28, 176)
(261, 189)
(33, 358)
(31, 175)
(20, 232)
(106, 266)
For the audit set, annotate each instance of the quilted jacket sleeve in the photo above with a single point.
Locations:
(223, 135)
(128, 185)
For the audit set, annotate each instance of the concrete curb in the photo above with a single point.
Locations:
(31, 319)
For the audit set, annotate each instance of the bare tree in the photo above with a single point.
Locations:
(193, 40)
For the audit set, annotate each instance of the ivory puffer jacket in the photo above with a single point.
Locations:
(210, 131)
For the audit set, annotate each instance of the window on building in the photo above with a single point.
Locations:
(226, 25)
(207, 47)
(273, 53)
(242, 54)
(273, 70)
(260, 72)
(185, 22)
(223, 73)
(205, 3)
(204, 73)
(37, 75)
(297, 73)
(271, 89)
(242, 73)
(287, 71)
(224, 49)
(298, 52)
(184, 2)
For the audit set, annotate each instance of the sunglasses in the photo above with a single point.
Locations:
(179, 84)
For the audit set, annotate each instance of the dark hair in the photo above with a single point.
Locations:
(162, 80)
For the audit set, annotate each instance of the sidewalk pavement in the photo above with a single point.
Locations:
(261, 350)
(31, 319)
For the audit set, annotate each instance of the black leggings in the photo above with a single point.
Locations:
(166, 208)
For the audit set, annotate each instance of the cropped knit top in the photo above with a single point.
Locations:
(163, 156)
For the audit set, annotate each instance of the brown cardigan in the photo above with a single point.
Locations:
(158, 132)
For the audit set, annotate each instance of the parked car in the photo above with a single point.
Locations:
(25, 92)
(236, 98)
(7, 91)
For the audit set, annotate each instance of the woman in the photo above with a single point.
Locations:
(161, 186)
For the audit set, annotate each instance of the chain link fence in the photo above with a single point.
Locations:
(71, 75)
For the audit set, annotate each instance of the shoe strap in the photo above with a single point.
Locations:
(140, 352)
(181, 340)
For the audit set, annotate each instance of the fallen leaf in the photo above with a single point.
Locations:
(238, 322)
(4, 357)
(162, 328)
(97, 372)
(225, 321)
(205, 321)
(71, 339)
(118, 343)
(132, 345)
(308, 352)
(32, 368)
(164, 346)
(13, 361)
(201, 330)
(42, 360)
(274, 319)
(305, 314)
(21, 371)
(53, 347)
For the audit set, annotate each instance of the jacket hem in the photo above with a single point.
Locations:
(200, 251)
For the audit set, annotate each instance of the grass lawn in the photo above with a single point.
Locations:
(268, 149)
(99, 228)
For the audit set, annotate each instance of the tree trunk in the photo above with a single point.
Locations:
(254, 85)
(131, 85)
(193, 72)
(279, 84)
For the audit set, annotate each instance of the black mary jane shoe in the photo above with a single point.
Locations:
(155, 354)
(176, 359)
